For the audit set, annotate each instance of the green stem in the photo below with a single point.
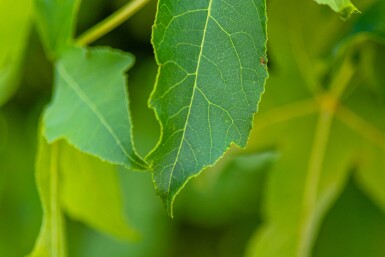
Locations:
(111, 22)
(58, 238)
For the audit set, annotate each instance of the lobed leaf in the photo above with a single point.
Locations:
(13, 14)
(212, 73)
(90, 105)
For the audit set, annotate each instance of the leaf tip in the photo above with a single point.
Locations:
(347, 12)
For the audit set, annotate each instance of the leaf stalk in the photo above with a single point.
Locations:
(111, 22)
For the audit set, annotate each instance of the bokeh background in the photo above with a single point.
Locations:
(218, 213)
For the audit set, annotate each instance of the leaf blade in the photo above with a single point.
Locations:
(79, 171)
(94, 120)
(183, 39)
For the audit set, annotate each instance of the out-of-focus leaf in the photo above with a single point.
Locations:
(314, 127)
(15, 21)
(371, 25)
(90, 192)
(51, 240)
(91, 111)
(145, 212)
(20, 210)
(344, 7)
(372, 21)
(140, 84)
(3, 138)
(354, 227)
(56, 23)
(3, 133)
(368, 101)
(83, 187)
(212, 73)
(229, 192)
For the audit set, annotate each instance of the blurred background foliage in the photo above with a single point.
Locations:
(217, 213)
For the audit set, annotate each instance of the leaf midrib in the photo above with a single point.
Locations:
(83, 97)
(192, 98)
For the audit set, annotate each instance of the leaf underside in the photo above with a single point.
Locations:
(91, 111)
(212, 71)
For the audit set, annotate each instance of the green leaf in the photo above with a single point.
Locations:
(212, 73)
(367, 109)
(344, 7)
(15, 21)
(62, 175)
(56, 24)
(321, 120)
(51, 240)
(372, 22)
(229, 192)
(371, 25)
(90, 105)
(91, 193)
(355, 226)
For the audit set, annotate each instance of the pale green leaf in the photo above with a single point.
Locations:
(90, 105)
(212, 56)
(366, 117)
(56, 23)
(320, 120)
(91, 193)
(81, 186)
(344, 7)
(354, 227)
(15, 21)
(51, 240)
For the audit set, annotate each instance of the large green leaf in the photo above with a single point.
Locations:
(321, 120)
(344, 7)
(212, 56)
(56, 24)
(91, 193)
(51, 240)
(90, 105)
(15, 21)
